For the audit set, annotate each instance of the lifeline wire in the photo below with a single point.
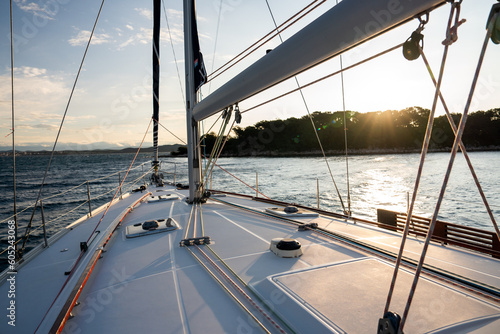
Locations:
(454, 150)
(124, 178)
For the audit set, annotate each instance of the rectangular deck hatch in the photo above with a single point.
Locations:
(151, 227)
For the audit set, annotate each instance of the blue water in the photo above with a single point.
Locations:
(67, 171)
(376, 181)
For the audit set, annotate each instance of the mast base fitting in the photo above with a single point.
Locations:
(202, 200)
(157, 178)
(195, 241)
(310, 226)
(389, 324)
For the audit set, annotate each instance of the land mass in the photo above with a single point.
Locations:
(390, 131)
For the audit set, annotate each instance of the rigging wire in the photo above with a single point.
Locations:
(62, 122)
(226, 171)
(217, 149)
(91, 234)
(345, 135)
(173, 134)
(13, 128)
(226, 66)
(310, 117)
(423, 155)
(246, 184)
(215, 44)
(64, 192)
(462, 148)
(324, 77)
(458, 138)
(219, 153)
(124, 178)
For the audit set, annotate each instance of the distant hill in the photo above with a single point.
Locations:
(163, 150)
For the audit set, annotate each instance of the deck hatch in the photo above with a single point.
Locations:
(161, 198)
(330, 288)
(291, 211)
(153, 226)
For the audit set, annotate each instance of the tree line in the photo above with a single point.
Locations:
(380, 131)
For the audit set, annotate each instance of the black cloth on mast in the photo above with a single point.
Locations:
(200, 74)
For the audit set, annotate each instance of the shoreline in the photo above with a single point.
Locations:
(268, 154)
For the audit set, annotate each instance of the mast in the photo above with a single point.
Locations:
(195, 77)
(156, 82)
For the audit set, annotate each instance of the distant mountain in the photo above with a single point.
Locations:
(95, 148)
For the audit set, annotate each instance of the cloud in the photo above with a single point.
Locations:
(36, 9)
(147, 13)
(129, 27)
(42, 126)
(29, 72)
(38, 94)
(83, 36)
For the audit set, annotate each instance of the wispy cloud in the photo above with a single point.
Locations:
(39, 126)
(29, 72)
(38, 93)
(83, 36)
(147, 13)
(36, 9)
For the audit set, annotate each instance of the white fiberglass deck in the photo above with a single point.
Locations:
(150, 284)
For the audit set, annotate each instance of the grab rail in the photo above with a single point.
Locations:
(447, 233)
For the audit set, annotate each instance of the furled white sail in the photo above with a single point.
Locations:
(346, 25)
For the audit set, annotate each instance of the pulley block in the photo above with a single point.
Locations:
(389, 324)
(495, 33)
(494, 23)
(410, 47)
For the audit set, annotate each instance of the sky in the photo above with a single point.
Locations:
(112, 103)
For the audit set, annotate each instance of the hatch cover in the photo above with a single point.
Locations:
(153, 226)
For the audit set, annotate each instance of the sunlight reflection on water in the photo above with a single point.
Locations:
(376, 181)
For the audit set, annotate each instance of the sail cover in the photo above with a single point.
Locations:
(200, 74)
(344, 26)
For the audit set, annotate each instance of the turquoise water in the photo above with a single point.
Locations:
(376, 181)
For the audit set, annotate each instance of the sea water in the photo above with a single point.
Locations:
(375, 181)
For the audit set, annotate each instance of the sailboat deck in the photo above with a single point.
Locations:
(151, 284)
